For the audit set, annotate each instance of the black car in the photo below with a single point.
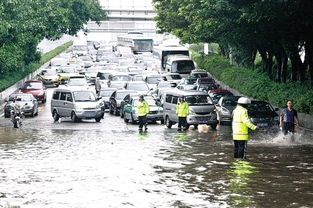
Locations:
(262, 114)
(116, 99)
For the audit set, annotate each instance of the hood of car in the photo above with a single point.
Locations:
(33, 91)
(262, 114)
(47, 77)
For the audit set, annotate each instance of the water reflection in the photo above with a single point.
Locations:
(240, 174)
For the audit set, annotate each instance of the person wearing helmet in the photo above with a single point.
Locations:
(182, 111)
(15, 107)
(142, 109)
(241, 125)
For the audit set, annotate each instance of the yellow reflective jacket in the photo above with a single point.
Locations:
(143, 108)
(241, 124)
(182, 109)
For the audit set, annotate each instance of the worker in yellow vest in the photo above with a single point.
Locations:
(241, 125)
(182, 111)
(142, 109)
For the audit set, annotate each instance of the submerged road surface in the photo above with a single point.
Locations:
(109, 164)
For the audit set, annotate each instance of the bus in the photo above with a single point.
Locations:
(138, 44)
(163, 52)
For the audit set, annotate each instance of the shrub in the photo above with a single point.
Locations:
(255, 84)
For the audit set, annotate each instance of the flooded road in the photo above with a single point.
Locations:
(109, 164)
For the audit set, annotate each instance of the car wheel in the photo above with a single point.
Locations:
(7, 115)
(213, 126)
(33, 113)
(162, 121)
(74, 117)
(111, 111)
(56, 116)
(168, 122)
(121, 114)
(98, 119)
(125, 119)
(116, 112)
(44, 100)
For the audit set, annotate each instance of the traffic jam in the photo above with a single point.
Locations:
(95, 78)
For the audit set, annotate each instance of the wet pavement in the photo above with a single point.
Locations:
(109, 164)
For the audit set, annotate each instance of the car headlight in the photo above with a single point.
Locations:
(192, 112)
(225, 111)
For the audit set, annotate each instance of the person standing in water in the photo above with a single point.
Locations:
(288, 118)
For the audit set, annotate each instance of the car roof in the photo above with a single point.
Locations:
(33, 81)
(130, 91)
(185, 92)
(218, 90)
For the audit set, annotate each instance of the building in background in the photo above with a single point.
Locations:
(128, 10)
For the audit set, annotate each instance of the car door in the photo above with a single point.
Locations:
(69, 104)
(128, 109)
(173, 116)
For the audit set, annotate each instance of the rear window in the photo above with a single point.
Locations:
(183, 67)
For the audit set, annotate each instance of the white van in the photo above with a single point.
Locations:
(179, 64)
(76, 104)
(201, 108)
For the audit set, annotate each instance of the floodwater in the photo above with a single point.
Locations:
(109, 164)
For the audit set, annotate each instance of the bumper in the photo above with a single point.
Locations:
(89, 114)
(202, 119)
(151, 117)
(226, 118)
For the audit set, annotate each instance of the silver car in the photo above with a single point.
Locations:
(201, 108)
(225, 107)
(76, 104)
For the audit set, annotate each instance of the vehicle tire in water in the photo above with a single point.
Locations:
(74, 117)
(125, 119)
(168, 122)
(15, 124)
(56, 116)
(162, 121)
(98, 119)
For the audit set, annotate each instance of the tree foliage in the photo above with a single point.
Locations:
(278, 30)
(24, 23)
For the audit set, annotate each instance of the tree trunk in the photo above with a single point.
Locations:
(284, 66)
(279, 67)
(309, 59)
(269, 65)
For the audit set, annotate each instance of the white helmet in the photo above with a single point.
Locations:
(244, 100)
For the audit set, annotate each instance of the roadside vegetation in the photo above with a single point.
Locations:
(24, 24)
(10, 78)
(255, 84)
(269, 44)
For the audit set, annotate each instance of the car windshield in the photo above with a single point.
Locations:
(229, 101)
(150, 102)
(190, 81)
(77, 82)
(118, 85)
(260, 107)
(84, 96)
(199, 100)
(137, 87)
(121, 78)
(48, 73)
(153, 80)
(80, 48)
(85, 58)
(24, 98)
(68, 70)
(166, 85)
(174, 77)
(106, 93)
(33, 85)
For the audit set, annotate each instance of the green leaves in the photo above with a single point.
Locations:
(24, 23)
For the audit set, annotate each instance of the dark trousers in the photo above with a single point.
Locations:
(240, 148)
(182, 122)
(142, 122)
(288, 127)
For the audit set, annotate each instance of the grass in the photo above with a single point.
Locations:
(9, 79)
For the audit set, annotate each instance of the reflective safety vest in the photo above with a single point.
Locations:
(143, 108)
(241, 124)
(182, 109)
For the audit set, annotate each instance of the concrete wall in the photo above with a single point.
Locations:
(306, 121)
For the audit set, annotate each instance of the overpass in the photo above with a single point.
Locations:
(128, 10)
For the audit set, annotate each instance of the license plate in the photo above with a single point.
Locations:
(262, 124)
(90, 115)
